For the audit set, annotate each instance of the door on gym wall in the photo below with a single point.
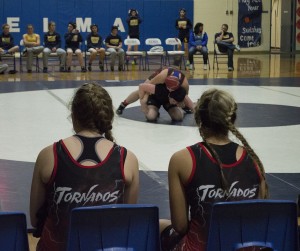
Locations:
(275, 25)
(283, 26)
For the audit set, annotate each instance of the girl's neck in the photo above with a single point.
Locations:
(218, 140)
(89, 133)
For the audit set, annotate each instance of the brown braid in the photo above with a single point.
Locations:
(92, 109)
(252, 154)
(224, 182)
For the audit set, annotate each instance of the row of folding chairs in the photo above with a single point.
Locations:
(154, 56)
(268, 224)
(145, 58)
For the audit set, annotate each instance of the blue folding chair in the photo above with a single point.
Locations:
(13, 231)
(114, 228)
(266, 223)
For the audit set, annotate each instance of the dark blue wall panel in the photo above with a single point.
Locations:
(158, 15)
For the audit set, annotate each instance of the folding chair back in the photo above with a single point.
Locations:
(126, 227)
(179, 54)
(265, 223)
(155, 43)
(13, 231)
(139, 54)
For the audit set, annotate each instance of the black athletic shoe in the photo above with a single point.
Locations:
(68, 69)
(29, 71)
(120, 109)
(120, 68)
(83, 69)
(45, 70)
(90, 67)
(101, 66)
(62, 69)
(112, 68)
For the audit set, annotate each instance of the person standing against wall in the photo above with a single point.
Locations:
(133, 20)
(183, 25)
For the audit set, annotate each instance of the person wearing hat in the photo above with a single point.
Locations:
(183, 25)
(94, 46)
(73, 39)
(133, 20)
(113, 43)
(169, 89)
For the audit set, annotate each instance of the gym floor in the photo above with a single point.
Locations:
(34, 114)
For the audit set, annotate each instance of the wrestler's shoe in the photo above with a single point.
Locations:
(120, 109)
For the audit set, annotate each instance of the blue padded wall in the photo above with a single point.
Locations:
(158, 15)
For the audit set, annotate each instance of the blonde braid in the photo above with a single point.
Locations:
(252, 154)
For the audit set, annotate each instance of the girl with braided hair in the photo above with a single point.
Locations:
(85, 169)
(213, 170)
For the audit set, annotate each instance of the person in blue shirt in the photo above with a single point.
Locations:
(198, 42)
(95, 46)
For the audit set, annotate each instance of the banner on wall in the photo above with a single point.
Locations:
(249, 23)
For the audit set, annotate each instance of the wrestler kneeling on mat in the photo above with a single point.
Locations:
(171, 96)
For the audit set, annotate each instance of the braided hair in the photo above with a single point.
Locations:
(215, 115)
(92, 109)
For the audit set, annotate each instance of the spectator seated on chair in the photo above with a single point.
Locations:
(85, 169)
(52, 44)
(216, 169)
(73, 39)
(113, 44)
(32, 43)
(94, 46)
(3, 68)
(198, 42)
(7, 45)
(224, 41)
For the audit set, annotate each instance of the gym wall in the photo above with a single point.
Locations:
(158, 16)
